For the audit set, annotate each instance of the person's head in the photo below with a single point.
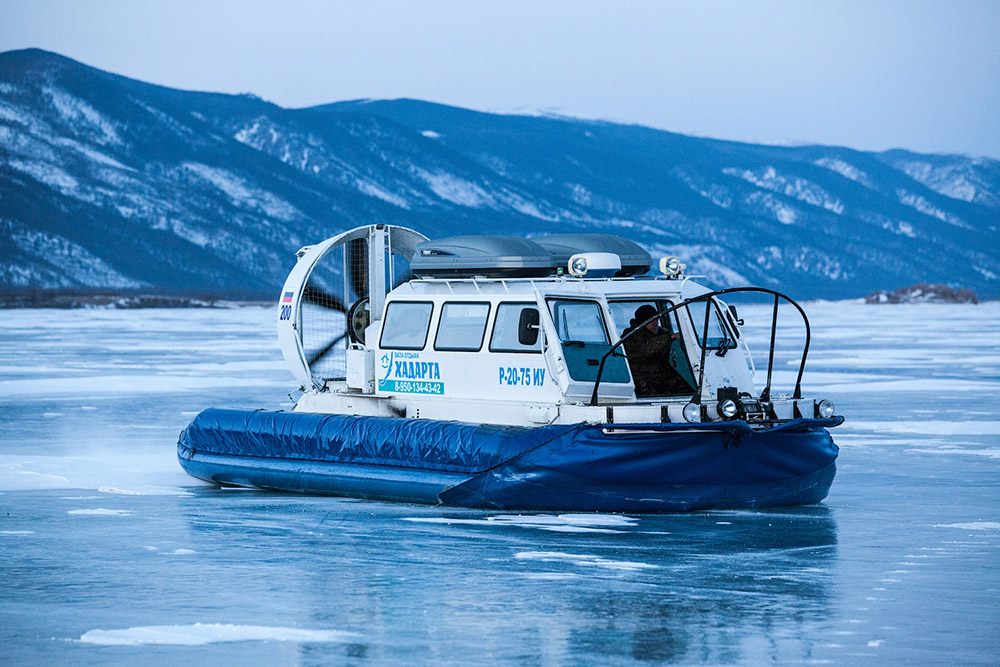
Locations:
(643, 313)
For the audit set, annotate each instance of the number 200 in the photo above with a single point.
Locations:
(286, 313)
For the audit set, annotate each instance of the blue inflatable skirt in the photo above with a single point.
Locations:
(578, 467)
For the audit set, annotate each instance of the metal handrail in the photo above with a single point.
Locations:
(765, 395)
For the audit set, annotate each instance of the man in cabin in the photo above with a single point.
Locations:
(648, 350)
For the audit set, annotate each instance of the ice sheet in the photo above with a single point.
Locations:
(110, 553)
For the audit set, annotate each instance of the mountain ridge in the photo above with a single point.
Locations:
(110, 182)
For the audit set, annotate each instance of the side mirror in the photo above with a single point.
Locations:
(736, 318)
(527, 327)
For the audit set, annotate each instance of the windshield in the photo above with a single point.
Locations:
(623, 314)
(718, 335)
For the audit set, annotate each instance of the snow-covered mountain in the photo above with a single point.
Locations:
(109, 182)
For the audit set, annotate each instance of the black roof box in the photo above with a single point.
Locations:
(635, 260)
(487, 256)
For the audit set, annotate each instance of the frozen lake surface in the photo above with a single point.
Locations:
(109, 553)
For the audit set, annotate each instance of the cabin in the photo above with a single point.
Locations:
(505, 330)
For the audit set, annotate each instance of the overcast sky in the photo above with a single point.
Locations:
(923, 75)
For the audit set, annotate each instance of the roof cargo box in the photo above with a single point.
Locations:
(635, 260)
(487, 256)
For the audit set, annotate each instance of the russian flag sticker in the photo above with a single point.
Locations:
(287, 298)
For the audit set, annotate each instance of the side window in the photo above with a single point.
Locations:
(505, 327)
(462, 326)
(406, 324)
(579, 321)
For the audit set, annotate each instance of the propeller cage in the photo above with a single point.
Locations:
(338, 290)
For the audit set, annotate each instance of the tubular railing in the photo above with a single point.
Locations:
(765, 395)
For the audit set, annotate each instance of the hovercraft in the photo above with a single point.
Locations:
(498, 372)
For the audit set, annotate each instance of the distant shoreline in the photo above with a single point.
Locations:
(60, 299)
(70, 299)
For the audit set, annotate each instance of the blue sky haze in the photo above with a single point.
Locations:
(922, 75)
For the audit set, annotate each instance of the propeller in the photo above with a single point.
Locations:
(357, 276)
(316, 356)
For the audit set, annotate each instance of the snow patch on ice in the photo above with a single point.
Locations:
(431, 134)
(931, 427)
(584, 560)
(17, 532)
(972, 525)
(211, 633)
(563, 523)
(100, 511)
(145, 491)
(988, 453)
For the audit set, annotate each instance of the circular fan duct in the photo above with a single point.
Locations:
(335, 292)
